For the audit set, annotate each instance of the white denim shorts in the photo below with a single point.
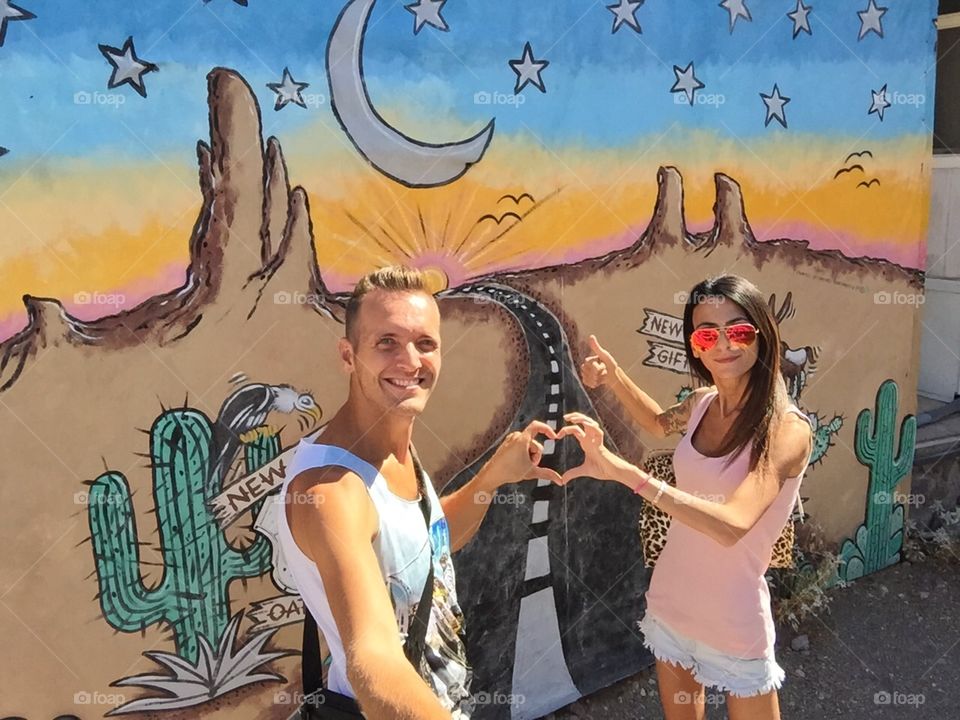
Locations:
(738, 676)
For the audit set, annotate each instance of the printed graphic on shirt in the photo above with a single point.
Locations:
(445, 652)
(445, 662)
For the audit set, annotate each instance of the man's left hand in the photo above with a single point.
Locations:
(519, 456)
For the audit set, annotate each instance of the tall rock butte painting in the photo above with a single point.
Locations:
(188, 192)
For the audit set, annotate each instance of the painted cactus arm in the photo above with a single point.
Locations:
(875, 436)
(198, 561)
(877, 543)
(126, 604)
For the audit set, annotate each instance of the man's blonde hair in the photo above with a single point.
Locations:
(394, 278)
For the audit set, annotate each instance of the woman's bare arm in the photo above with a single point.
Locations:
(724, 519)
(600, 368)
(728, 519)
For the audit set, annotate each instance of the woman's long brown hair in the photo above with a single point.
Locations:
(766, 392)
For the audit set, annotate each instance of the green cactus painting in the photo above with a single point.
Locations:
(823, 436)
(877, 542)
(198, 561)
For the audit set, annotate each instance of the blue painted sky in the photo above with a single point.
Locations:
(603, 89)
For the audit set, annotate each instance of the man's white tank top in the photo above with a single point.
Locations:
(403, 552)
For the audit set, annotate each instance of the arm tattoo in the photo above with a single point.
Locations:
(674, 419)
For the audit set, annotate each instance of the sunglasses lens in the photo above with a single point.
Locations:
(742, 334)
(704, 338)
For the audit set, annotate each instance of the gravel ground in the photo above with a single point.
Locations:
(889, 647)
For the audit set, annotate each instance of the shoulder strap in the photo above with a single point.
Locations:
(312, 672)
(801, 413)
(696, 415)
(331, 455)
(417, 632)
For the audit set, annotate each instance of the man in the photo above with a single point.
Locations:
(354, 534)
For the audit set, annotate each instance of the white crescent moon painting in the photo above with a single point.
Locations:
(410, 162)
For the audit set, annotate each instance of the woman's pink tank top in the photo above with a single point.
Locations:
(714, 594)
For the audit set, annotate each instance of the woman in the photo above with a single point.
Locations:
(738, 470)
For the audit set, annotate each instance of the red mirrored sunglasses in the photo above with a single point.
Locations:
(706, 338)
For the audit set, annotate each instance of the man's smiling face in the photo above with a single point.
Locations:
(394, 357)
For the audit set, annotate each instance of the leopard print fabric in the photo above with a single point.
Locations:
(654, 522)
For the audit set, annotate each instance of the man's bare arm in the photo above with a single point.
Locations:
(465, 509)
(334, 522)
(517, 458)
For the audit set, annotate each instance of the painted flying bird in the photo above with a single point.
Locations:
(247, 409)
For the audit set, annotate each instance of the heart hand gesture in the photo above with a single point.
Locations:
(598, 461)
(519, 455)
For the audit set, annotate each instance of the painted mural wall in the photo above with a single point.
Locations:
(187, 189)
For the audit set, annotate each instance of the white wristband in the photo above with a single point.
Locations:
(656, 497)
